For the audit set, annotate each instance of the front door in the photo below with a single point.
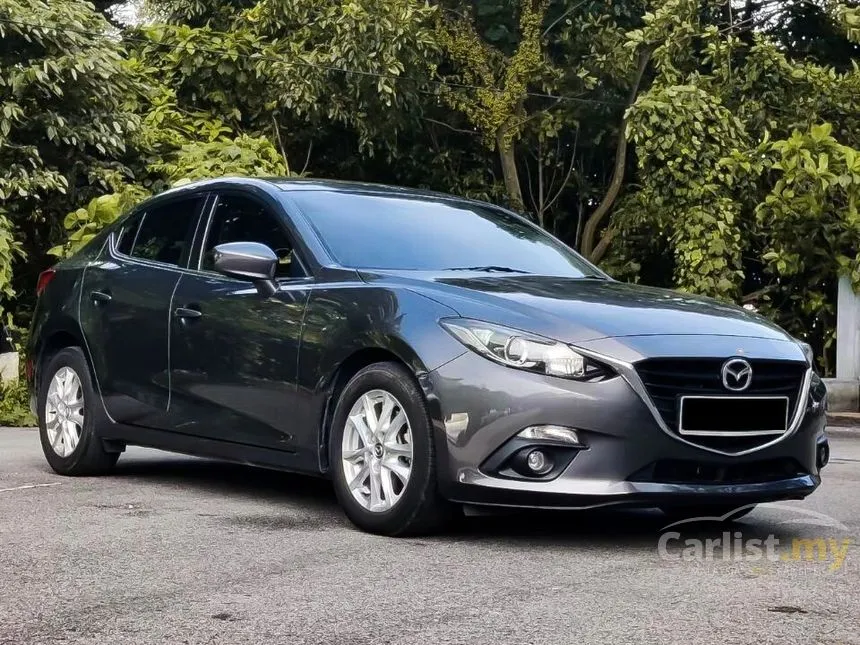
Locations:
(234, 351)
(125, 304)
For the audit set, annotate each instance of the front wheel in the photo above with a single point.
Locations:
(382, 454)
(70, 416)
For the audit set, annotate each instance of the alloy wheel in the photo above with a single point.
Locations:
(64, 411)
(376, 454)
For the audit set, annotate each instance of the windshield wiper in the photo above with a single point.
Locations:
(491, 268)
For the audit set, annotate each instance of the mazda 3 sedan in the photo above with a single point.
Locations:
(424, 352)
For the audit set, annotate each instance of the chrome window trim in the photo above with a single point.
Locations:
(153, 264)
(209, 217)
(628, 372)
(137, 232)
(115, 254)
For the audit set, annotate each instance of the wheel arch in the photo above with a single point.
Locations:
(352, 365)
(347, 328)
(349, 367)
(51, 342)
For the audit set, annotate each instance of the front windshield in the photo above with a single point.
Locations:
(382, 231)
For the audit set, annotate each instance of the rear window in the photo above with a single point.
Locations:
(165, 232)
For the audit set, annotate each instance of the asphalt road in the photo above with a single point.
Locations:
(172, 549)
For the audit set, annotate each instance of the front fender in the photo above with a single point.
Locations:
(350, 324)
(342, 320)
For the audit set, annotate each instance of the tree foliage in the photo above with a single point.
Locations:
(63, 124)
(707, 145)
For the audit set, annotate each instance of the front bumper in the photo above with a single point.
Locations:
(480, 406)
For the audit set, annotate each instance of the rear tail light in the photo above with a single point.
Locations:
(45, 278)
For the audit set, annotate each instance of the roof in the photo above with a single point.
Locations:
(290, 184)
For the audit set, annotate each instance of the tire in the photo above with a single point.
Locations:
(86, 455)
(708, 512)
(416, 507)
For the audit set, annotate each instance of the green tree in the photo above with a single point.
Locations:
(492, 85)
(63, 124)
(680, 143)
(734, 138)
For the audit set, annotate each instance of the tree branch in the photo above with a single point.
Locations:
(281, 143)
(603, 245)
(529, 184)
(596, 218)
(561, 17)
(308, 158)
(541, 207)
(516, 125)
(450, 127)
(568, 175)
(755, 295)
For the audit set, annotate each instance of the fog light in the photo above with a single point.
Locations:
(538, 462)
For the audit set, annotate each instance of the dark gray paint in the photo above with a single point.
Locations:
(251, 377)
(124, 310)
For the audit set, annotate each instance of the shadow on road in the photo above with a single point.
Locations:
(622, 527)
(230, 479)
(599, 528)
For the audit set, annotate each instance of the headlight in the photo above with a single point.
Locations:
(524, 351)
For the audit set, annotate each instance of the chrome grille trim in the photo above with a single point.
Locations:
(629, 374)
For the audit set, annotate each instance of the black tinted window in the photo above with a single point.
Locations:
(127, 233)
(241, 219)
(423, 233)
(165, 232)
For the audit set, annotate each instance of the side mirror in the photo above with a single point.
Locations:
(248, 261)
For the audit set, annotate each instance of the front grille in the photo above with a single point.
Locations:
(676, 471)
(667, 379)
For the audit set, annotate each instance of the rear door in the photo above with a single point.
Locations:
(125, 308)
(234, 358)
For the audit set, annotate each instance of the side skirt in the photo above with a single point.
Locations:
(237, 453)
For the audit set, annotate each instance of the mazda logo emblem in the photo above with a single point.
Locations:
(737, 374)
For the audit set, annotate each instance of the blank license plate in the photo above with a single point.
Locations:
(733, 415)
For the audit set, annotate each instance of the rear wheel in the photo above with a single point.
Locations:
(70, 415)
(382, 454)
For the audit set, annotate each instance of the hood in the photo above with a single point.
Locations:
(576, 310)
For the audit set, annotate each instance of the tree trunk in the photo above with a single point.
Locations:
(277, 130)
(509, 170)
(589, 232)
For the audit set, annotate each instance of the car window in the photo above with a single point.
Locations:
(165, 232)
(242, 219)
(385, 231)
(127, 233)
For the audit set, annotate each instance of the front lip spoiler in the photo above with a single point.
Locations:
(628, 372)
(478, 489)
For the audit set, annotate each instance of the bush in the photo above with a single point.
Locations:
(15, 405)
(15, 397)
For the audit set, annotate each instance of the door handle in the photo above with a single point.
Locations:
(186, 313)
(100, 297)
